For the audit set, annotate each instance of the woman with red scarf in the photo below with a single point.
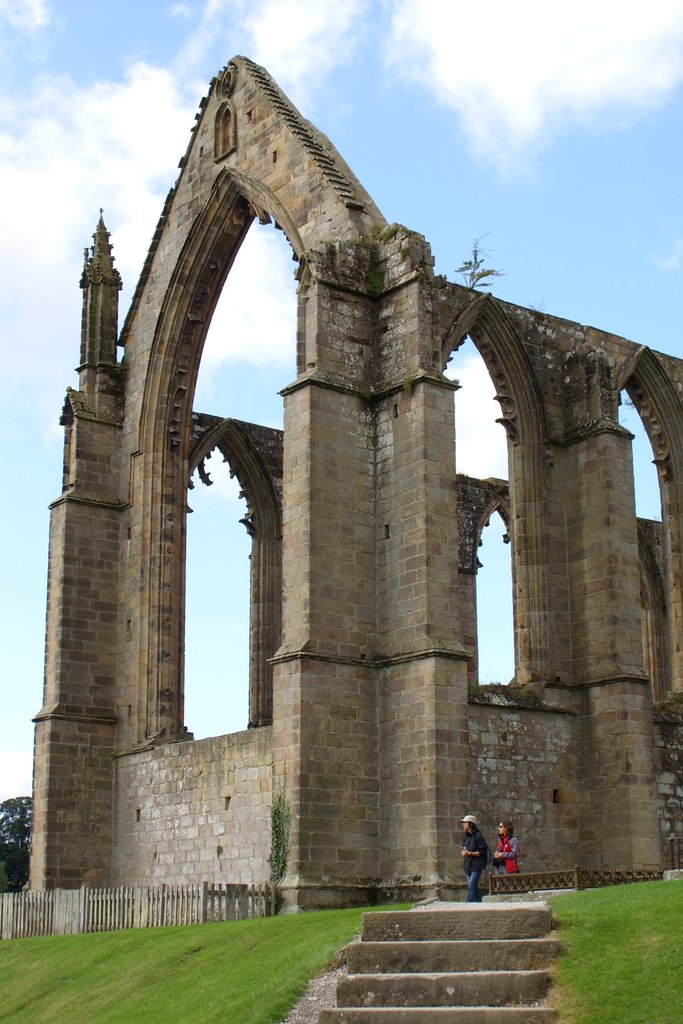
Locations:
(506, 855)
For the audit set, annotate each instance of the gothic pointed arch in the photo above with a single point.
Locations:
(165, 431)
(289, 174)
(498, 503)
(652, 392)
(254, 455)
(653, 604)
(657, 402)
(521, 403)
(522, 416)
(235, 200)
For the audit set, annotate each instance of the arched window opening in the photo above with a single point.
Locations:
(482, 453)
(250, 349)
(653, 608)
(648, 508)
(480, 442)
(648, 632)
(645, 477)
(495, 635)
(249, 356)
(217, 605)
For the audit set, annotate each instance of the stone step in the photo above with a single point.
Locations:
(479, 988)
(432, 956)
(468, 921)
(440, 1015)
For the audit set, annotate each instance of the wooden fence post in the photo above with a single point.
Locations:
(6, 914)
(203, 905)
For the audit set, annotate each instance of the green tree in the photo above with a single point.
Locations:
(474, 273)
(15, 841)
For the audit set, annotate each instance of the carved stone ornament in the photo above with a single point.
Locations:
(226, 81)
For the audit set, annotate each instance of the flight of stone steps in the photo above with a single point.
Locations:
(468, 964)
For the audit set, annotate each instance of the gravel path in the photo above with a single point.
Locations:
(321, 994)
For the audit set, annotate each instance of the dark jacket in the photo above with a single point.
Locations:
(475, 842)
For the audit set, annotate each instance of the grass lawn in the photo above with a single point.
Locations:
(246, 972)
(622, 959)
(621, 964)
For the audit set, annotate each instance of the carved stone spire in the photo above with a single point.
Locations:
(101, 283)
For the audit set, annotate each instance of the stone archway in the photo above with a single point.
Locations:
(653, 600)
(255, 457)
(135, 419)
(660, 409)
(522, 416)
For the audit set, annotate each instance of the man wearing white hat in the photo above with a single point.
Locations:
(474, 857)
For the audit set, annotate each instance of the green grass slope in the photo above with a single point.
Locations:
(621, 964)
(622, 955)
(246, 972)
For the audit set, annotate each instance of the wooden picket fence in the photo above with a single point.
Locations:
(76, 911)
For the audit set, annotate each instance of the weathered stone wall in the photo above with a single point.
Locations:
(669, 767)
(195, 810)
(200, 809)
(522, 766)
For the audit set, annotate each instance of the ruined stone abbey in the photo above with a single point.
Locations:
(364, 705)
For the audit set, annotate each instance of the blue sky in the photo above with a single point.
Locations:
(552, 130)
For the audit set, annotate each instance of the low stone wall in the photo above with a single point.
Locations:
(200, 810)
(196, 810)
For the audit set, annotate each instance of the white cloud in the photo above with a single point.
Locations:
(300, 42)
(64, 153)
(255, 319)
(16, 773)
(518, 74)
(24, 29)
(25, 15)
(67, 151)
(673, 258)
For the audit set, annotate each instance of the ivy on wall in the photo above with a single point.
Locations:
(280, 823)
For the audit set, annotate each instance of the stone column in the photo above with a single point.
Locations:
(76, 725)
(324, 688)
(369, 684)
(617, 813)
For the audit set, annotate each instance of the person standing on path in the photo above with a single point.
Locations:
(498, 859)
(474, 851)
(506, 856)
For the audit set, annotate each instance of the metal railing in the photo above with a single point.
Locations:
(569, 878)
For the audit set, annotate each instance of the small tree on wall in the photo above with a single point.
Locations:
(474, 273)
